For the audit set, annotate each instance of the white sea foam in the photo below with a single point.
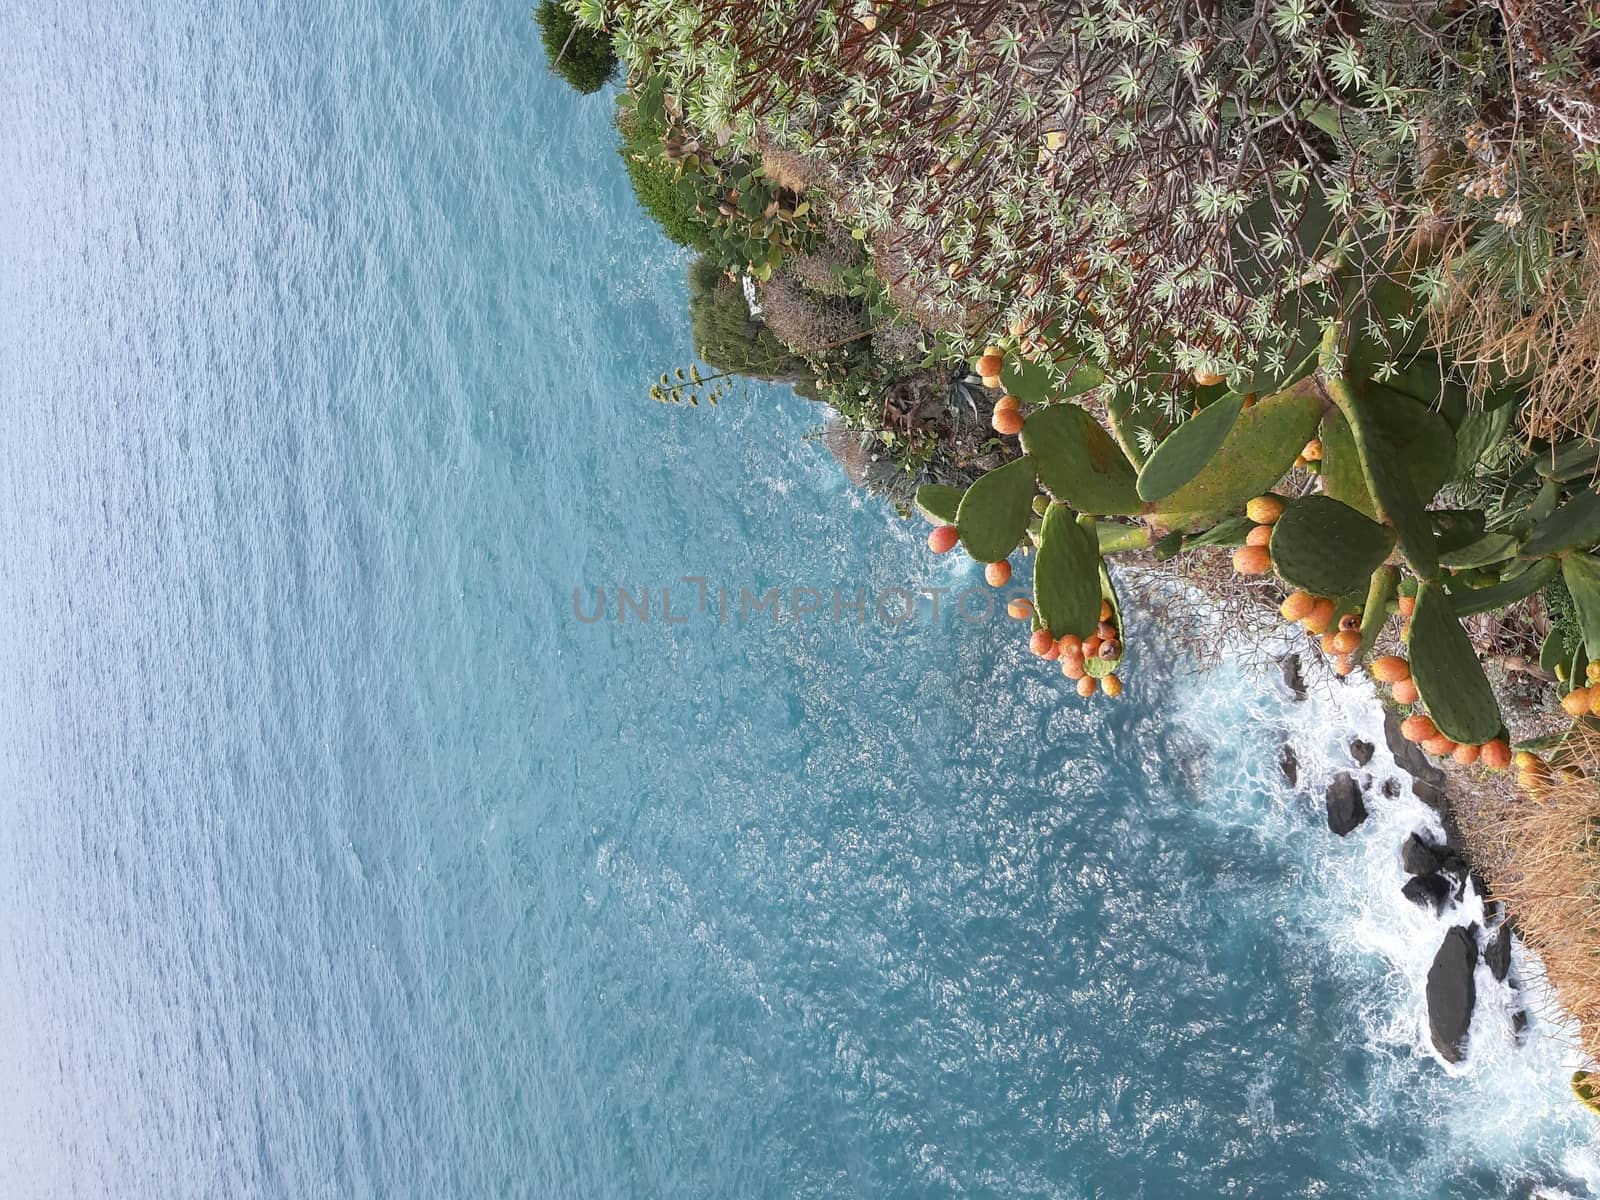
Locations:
(1512, 1103)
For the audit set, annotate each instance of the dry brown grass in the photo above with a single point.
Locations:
(1527, 301)
(1541, 849)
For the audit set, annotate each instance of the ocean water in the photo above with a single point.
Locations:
(339, 857)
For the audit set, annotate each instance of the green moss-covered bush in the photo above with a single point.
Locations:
(669, 201)
(583, 57)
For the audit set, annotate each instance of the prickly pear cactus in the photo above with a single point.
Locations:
(1066, 575)
(938, 502)
(1327, 548)
(1388, 479)
(1575, 524)
(1259, 448)
(994, 512)
(1080, 463)
(1447, 673)
(1185, 451)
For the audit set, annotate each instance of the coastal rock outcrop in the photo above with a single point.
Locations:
(1427, 780)
(1451, 992)
(1427, 891)
(1289, 763)
(1289, 664)
(1497, 954)
(1420, 857)
(1361, 752)
(1345, 808)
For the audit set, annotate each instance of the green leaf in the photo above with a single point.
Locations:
(1186, 450)
(1066, 575)
(994, 513)
(1447, 673)
(1326, 547)
(1581, 573)
(1079, 462)
(1575, 525)
(938, 502)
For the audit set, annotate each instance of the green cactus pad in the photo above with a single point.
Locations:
(1423, 439)
(1554, 650)
(1490, 548)
(938, 502)
(1327, 548)
(1080, 463)
(1260, 447)
(1375, 613)
(1187, 449)
(994, 513)
(1447, 673)
(1066, 575)
(1117, 539)
(1168, 547)
(1581, 573)
(1575, 525)
(1035, 383)
(1469, 601)
(1577, 459)
(1477, 432)
(1342, 477)
(1455, 528)
(1231, 532)
(1388, 480)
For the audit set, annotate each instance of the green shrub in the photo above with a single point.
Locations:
(582, 56)
(726, 336)
(662, 194)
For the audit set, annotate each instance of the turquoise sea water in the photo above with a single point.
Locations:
(337, 858)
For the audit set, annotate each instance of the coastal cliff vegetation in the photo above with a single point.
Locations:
(1296, 302)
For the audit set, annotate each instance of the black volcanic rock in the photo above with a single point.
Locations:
(1452, 993)
(1289, 763)
(1497, 954)
(1289, 664)
(1345, 809)
(1427, 891)
(1420, 857)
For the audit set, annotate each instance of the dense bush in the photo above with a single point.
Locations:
(656, 183)
(583, 57)
(726, 336)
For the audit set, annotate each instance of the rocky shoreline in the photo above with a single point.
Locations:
(1440, 875)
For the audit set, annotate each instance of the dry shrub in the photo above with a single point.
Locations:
(803, 321)
(897, 342)
(821, 270)
(1542, 850)
(1207, 610)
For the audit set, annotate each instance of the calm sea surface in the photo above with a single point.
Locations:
(337, 858)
